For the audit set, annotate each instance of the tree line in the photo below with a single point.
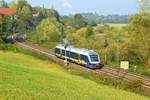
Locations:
(94, 18)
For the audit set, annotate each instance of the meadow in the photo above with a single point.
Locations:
(24, 77)
(117, 25)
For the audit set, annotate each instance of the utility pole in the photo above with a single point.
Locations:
(65, 41)
(66, 45)
(106, 46)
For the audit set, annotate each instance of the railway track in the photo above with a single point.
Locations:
(124, 75)
(118, 74)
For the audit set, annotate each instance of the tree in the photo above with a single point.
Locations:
(79, 21)
(139, 44)
(92, 23)
(3, 4)
(89, 32)
(24, 15)
(68, 25)
(67, 20)
(144, 6)
(5, 25)
(5, 22)
(22, 3)
(53, 13)
(103, 28)
(1, 24)
(139, 33)
(13, 5)
(81, 32)
(48, 30)
(85, 32)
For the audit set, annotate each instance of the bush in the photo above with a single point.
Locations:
(48, 30)
(85, 32)
(134, 85)
(2, 45)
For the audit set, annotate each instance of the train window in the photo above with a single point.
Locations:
(84, 58)
(57, 50)
(74, 55)
(68, 54)
(71, 54)
(63, 52)
(94, 58)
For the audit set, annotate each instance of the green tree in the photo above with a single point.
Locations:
(13, 6)
(3, 4)
(92, 23)
(68, 25)
(53, 13)
(5, 22)
(89, 32)
(139, 45)
(67, 20)
(24, 15)
(48, 30)
(5, 25)
(144, 6)
(79, 21)
(85, 32)
(1, 24)
(138, 42)
(103, 28)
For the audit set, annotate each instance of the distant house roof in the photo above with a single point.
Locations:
(36, 14)
(7, 11)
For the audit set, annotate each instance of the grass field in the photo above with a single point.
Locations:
(23, 77)
(117, 25)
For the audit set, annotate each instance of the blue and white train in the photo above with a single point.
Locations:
(84, 57)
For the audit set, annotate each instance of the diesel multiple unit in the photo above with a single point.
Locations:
(84, 57)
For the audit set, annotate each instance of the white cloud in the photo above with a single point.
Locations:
(66, 4)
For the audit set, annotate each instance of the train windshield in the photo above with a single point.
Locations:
(94, 58)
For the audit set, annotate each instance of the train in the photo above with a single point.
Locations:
(84, 57)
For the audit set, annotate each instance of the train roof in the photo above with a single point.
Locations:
(82, 51)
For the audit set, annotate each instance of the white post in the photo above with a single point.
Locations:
(66, 62)
(124, 65)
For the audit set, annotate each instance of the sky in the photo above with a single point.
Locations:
(102, 7)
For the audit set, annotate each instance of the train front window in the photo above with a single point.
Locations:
(94, 58)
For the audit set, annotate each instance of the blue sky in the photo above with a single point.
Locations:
(104, 7)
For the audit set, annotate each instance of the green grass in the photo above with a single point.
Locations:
(140, 69)
(23, 77)
(117, 25)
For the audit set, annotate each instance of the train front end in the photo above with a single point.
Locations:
(94, 60)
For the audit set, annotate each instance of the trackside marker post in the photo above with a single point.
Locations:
(124, 65)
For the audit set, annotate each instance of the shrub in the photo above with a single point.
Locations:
(134, 85)
(2, 45)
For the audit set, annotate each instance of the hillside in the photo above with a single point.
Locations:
(23, 77)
